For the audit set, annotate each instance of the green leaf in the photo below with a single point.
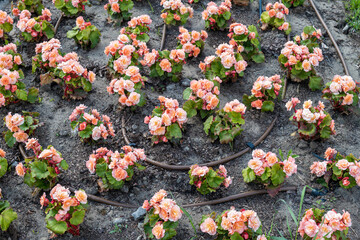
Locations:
(174, 131)
(309, 30)
(3, 166)
(9, 139)
(77, 217)
(6, 217)
(49, 31)
(3, 205)
(258, 58)
(21, 94)
(101, 169)
(266, 174)
(187, 93)
(277, 174)
(37, 27)
(39, 170)
(325, 132)
(236, 118)
(72, 33)
(87, 86)
(309, 131)
(268, 106)
(265, 18)
(207, 124)
(248, 175)
(189, 107)
(226, 137)
(57, 227)
(86, 133)
(64, 165)
(94, 38)
(236, 236)
(227, 15)
(33, 95)
(315, 83)
(326, 121)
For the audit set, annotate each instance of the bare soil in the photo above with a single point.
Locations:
(196, 147)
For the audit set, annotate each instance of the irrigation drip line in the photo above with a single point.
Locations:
(163, 37)
(58, 23)
(331, 37)
(211, 164)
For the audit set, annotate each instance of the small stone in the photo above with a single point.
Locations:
(63, 133)
(14, 164)
(185, 82)
(134, 126)
(346, 29)
(139, 213)
(119, 220)
(124, 189)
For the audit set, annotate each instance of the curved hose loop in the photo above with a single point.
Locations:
(331, 37)
(211, 164)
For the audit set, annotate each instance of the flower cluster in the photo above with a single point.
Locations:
(115, 168)
(90, 126)
(264, 91)
(7, 214)
(312, 121)
(207, 180)
(300, 62)
(63, 69)
(33, 29)
(330, 225)
(162, 216)
(342, 92)
(293, 3)
(118, 10)
(165, 64)
(33, 6)
(246, 40)
(125, 52)
(309, 37)
(84, 33)
(71, 7)
(64, 212)
(226, 124)
(20, 127)
(339, 168)
(175, 12)
(138, 27)
(3, 165)
(128, 87)
(191, 42)
(232, 224)
(166, 120)
(41, 170)
(268, 169)
(202, 95)
(6, 24)
(217, 17)
(10, 59)
(275, 16)
(227, 65)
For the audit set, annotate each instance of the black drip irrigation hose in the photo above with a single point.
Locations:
(331, 37)
(211, 164)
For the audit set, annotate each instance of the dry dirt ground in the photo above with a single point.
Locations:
(196, 147)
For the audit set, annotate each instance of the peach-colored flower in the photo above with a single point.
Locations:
(311, 228)
(319, 168)
(43, 200)
(209, 226)
(21, 136)
(348, 99)
(306, 66)
(255, 164)
(343, 164)
(330, 153)
(175, 213)
(200, 171)
(158, 196)
(258, 154)
(165, 65)
(2, 153)
(257, 104)
(158, 230)
(81, 196)
(96, 133)
(20, 170)
(119, 174)
(271, 158)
